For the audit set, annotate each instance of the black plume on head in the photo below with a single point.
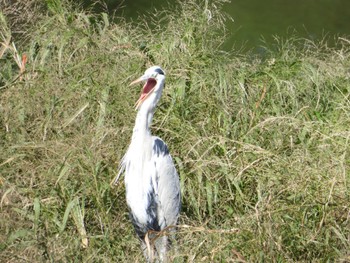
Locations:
(159, 71)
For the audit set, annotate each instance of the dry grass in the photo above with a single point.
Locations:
(261, 144)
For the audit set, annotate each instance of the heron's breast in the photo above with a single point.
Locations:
(139, 190)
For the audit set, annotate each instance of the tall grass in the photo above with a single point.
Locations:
(261, 144)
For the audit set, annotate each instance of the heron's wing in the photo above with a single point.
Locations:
(166, 183)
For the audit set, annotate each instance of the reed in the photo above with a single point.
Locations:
(261, 143)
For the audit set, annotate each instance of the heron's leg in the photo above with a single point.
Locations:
(148, 250)
(162, 247)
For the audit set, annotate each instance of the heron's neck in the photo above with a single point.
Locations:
(145, 114)
(143, 122)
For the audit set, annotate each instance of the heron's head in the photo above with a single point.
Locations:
(154, 78)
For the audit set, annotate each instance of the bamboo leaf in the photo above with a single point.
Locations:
(78, 216)
(36, 206)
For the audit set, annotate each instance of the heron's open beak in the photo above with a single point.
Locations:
(146, 90)
(137, 81)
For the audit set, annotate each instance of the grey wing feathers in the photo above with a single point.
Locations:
(168, 184)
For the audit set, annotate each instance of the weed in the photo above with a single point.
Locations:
(261, 144)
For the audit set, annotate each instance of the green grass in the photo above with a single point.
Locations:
(261, 143)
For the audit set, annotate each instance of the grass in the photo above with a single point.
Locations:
(261, 143)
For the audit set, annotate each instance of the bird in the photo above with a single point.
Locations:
(151, 181)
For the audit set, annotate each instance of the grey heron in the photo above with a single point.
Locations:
(151, 181)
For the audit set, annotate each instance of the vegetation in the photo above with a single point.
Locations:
(261, 143)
